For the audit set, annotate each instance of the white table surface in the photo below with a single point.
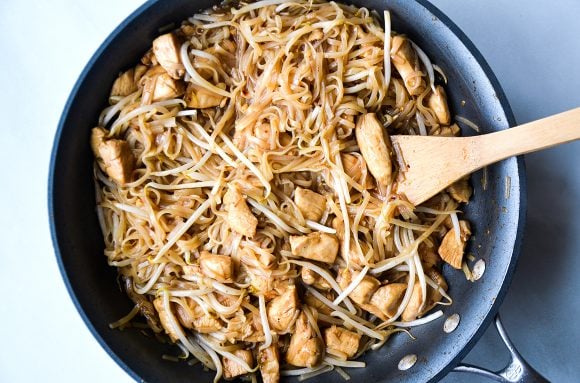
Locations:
(534, 49)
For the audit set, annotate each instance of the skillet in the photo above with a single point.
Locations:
(497, 214)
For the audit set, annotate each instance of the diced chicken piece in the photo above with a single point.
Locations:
(311, 204)
(264, 284)
(166, 50)
(149, 59)
(460, 190)
(387, 298)
(356, 168)
(207, 324)
(283, 310)
(191, 316)
(240, 217)
(245, 328)
(261, 259)
(342, 341)
(338, 225)
(448, 131)
(305, 349)
(128, 81)
(313, 302)
(226, 299)
(433, 295)
(269, 361)
(233, 368)
(139, 72)
(436, 276)
(429, 256)
(187, 313)
(265, 136)
(114, 156)
(191, 270)
(258, 283)
(311, 277)
(365, 289)
(254, 330)
(451, 249)
(405, 60)
(317, 246)
(145, 306)
(355, 256)
(413, 309)
(158, 85)
(374, 310)
(164, 319)
(187, 30)
(437, 101)
(166, 88)
(249, 185)
(216, 266)
(125, 84)
(277, 287)
(228, 46)
(374, 147)
(198, 97)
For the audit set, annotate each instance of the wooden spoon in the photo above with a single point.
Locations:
(430, 164)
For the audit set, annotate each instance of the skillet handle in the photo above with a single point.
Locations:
(517, 371)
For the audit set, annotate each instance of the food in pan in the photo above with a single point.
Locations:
(247, 193)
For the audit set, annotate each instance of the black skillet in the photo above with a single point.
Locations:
(497, 215)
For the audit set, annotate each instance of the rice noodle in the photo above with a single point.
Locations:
(196, 77)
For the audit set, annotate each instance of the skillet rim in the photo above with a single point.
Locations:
(481, 62)
(521, 169)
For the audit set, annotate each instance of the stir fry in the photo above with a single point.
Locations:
(247, 194)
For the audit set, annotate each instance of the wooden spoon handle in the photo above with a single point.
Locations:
(535, 135)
